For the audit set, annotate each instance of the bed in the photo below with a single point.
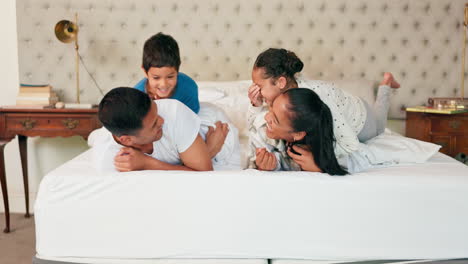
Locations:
(406, 212)
(396, 210)
(414, 211)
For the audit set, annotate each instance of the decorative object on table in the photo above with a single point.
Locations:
(67, 31)
(39, 96)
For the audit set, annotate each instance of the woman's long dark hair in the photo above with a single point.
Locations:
(310, 114)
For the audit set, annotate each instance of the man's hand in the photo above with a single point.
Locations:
(130, 159)
(265, 160)
(215, 138)
(305, 160)
(255, 96)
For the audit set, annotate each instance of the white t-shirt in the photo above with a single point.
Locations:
(180, 129)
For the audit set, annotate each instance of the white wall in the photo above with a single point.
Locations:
(43, 154)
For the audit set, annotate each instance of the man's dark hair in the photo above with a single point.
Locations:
(122, 110)
(161, 51)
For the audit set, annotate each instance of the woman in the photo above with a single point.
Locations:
(305, 123)
(354, 120)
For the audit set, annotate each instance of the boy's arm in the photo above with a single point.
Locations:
(195, 158)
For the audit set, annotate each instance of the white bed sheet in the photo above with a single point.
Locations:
(406, 212)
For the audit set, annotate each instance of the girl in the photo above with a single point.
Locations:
(354, 120)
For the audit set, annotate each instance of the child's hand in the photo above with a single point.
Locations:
(265, 160)
(305, 159)
(215, 138)
(130, 159)
(255, 96)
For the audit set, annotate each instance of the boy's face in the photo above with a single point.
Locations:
(161, 82)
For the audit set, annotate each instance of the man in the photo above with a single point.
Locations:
(153, 135)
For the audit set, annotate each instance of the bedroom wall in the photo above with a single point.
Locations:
(57, 150)
(419, 41)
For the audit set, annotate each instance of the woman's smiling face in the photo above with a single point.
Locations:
(278, 120)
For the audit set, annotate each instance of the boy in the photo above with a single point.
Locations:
(161, 62)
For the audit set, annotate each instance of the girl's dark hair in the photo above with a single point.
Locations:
(123, 109)
(310, 114)
(279, 62)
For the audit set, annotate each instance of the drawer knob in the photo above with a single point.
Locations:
(454, 124)
(70, 123)
(28, 123)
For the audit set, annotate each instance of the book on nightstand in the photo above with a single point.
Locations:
(434, 110)
(36, 95)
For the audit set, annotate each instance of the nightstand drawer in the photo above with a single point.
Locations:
(444, 141)
(449, 125)
(462, 144)
(15, 122)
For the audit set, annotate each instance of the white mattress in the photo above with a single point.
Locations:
(407, 212)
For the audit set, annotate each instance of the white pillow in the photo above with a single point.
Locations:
(388, 149)
(99, 135)
(210, 94)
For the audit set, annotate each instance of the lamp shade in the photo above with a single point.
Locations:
(66, 31)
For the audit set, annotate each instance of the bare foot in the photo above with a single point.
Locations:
(389, 80)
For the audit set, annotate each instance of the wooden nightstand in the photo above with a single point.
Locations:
(39, 123)
(448, 130)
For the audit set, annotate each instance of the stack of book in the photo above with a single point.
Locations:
(36, 95)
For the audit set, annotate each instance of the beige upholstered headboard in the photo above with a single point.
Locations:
(420, 41)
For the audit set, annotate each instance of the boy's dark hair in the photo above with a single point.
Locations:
(161, 51)
(122, 110)
(310, 114)
(279, 63)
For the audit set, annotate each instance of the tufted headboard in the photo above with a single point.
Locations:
(419, 41)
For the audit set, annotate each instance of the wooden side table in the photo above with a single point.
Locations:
(448, 130)
(39, 123)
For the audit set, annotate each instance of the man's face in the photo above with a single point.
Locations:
(151, 130)
(161, 82)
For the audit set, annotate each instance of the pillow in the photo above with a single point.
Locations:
(210, 94)
(98, 135)
(388, 149)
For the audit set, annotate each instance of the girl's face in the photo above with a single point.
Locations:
(269, 88)
(278, 121)
(161, 82)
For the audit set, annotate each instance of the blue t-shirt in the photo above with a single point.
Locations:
(186, 91)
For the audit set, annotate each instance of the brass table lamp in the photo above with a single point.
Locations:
(67, 31)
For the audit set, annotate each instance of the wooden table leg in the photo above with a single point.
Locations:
(23, 147)
(4, 187)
